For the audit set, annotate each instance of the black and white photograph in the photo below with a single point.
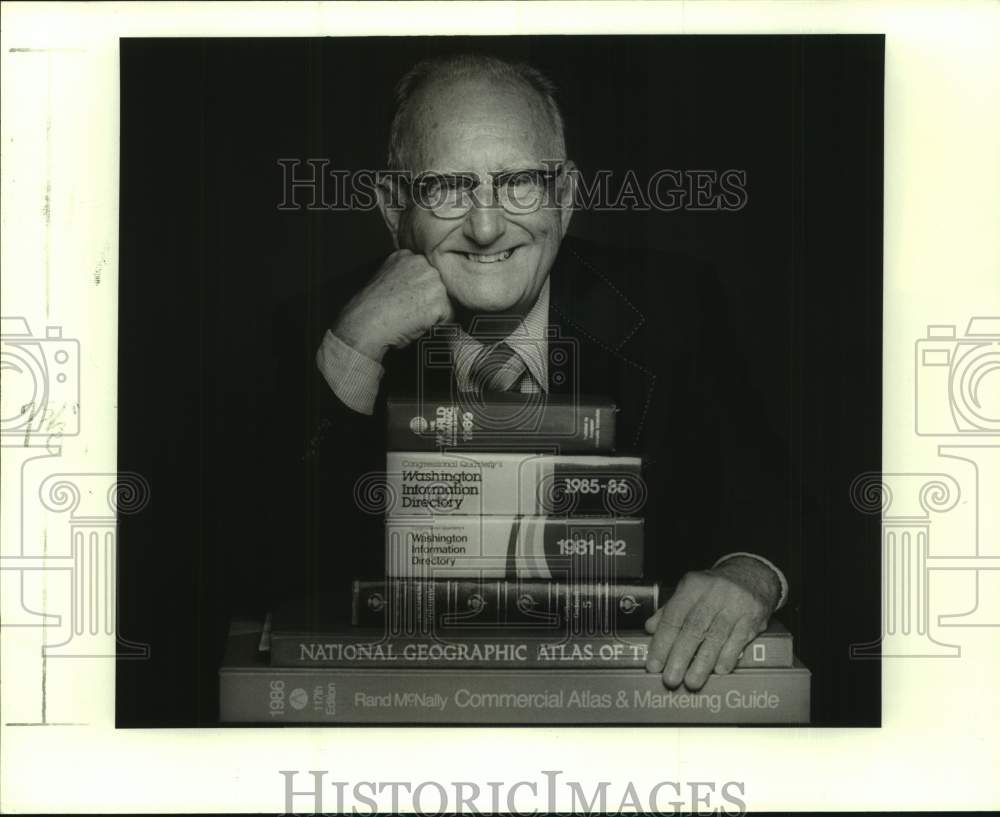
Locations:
(499, 407)
(501, 380)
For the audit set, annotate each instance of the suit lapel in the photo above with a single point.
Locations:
(422, 368)
(598, 346)
(606, 332)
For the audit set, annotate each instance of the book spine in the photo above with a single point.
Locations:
(432, 483)
(286, 696)
(624, 651)
(600, 548)
(430, 607)
(532, 424)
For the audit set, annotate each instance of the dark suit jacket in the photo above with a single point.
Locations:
(649, 330)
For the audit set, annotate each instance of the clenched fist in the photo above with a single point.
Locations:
(404, 299)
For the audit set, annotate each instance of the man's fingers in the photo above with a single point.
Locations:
(696, 626)
(445, 309)
(671, 619)
(440, 304)
(404, 299)
(653, 621)
(661, 645)
(701, 629)
(683, 650)
(743, 633)
(707, 656)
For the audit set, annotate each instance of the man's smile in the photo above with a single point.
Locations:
(488, 258)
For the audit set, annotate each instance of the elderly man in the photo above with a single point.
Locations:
(478, 211)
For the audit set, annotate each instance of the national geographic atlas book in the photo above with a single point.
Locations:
(253, 691)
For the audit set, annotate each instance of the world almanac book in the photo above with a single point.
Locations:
(510, 422)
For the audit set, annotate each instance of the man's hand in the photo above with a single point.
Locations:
(708, 621)
(404, 299)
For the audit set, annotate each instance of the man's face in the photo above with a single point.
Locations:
(489, 260)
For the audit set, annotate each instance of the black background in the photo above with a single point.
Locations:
(206, 253)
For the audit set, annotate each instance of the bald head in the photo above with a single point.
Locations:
(487, 118)
(473, 93)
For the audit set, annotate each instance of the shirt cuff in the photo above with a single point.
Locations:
(352, 376)
(781, 576)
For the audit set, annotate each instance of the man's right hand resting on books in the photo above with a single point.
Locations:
(404, 299)
(710, 618)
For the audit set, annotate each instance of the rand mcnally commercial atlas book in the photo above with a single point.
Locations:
(252, 691)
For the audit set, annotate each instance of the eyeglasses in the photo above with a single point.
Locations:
(452, 195)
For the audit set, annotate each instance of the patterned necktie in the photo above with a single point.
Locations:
(496, 368)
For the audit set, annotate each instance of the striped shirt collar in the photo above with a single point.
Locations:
(528, 340)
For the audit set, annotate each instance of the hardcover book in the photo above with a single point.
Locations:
(500, 648)
(536, 422)
(252, 691)
(430, 607)
(601, 548)
(504, 483)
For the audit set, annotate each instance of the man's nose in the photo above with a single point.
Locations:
(485, 222)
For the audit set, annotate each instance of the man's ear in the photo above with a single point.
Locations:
(567, 192)
(390, 204)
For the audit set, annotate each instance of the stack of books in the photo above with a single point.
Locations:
(513, 593)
